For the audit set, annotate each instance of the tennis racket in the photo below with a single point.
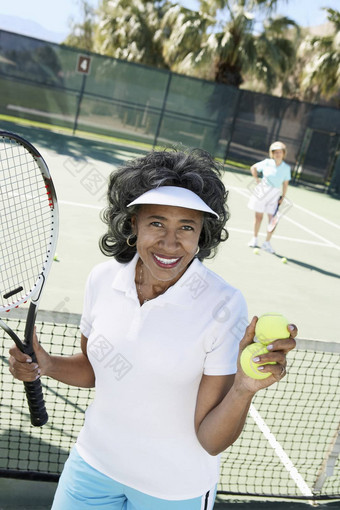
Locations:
(28, 237)
(275, 218)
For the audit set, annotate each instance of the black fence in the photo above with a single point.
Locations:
(62, 86)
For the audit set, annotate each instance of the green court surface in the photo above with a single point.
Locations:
(305, 289)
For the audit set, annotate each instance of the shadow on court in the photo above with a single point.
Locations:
(72, 146)
(310, 267)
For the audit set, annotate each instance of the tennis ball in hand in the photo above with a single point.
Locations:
(248, 366)
(271, 326)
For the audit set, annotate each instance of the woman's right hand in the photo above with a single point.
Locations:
(21, 365)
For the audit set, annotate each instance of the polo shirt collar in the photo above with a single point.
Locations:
(185, 290)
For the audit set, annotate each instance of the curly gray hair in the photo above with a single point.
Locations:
(193, 169)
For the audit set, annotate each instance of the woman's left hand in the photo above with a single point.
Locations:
(278, 351)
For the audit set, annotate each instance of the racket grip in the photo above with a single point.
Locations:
(36, 403)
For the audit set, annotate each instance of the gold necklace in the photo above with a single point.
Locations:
(144, 299)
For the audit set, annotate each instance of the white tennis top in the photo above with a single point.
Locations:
(148, 362)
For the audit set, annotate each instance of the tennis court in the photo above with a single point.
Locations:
(301, 437)
(308, 236)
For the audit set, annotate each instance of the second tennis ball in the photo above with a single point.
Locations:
(248, 366)
(271, 326)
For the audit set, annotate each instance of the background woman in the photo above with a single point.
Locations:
(270, 190)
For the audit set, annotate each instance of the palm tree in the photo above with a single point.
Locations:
(131, 30)
(235, 49)
(321, 55)
(218, 42)
(81, 35)
(185, 32)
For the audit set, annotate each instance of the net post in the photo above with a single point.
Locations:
(162, 110)
(329, 462)
(75, 125)
(232, 127)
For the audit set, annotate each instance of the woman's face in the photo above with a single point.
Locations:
(167, 239)
(278, 155)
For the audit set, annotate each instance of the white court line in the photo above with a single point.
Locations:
(324, 243)
(335, 225)
(245, 193)
(77, 204)
(242, 191)
(329, 243)
(286, 461)
(285, 238)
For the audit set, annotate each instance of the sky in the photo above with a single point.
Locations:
(50, 20)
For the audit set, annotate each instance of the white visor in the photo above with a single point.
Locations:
(276, 146)
(174, 196)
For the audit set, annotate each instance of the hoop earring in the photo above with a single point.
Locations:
(198, 249)
(128, 240)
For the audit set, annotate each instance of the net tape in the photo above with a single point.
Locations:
(288, 449)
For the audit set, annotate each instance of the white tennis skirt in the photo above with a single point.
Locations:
(264, 198)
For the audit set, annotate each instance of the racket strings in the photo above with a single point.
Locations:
(26, 220)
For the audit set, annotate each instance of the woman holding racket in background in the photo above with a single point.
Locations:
(153, 434)
(270, 190)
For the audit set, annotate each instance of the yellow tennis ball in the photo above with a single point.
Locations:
(271, 326)
(256, 251)
(248, 366)
(284, 260)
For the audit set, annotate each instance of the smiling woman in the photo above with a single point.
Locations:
(195, 172)
(153, 434)
(167, 241)
(178, 211)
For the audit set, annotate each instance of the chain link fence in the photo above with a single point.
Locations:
(58, 85)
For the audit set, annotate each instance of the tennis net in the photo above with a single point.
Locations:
(288, 449)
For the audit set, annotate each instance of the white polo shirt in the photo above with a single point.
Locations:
(148, 362)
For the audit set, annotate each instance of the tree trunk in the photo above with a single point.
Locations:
(228, 74)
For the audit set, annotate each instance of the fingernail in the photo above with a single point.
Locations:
(260, 368)
(269, 347)
(256, 359)
(35, 365)
(291, 327)
(39, 371)
(28, 360)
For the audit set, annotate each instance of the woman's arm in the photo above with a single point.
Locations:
(220, 413)
(74, 370)
(284, 190)
(254, 173)
(223, 401)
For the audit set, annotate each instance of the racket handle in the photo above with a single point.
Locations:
(36, 403)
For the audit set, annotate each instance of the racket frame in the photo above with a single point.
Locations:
(275, 218)
(34, 389)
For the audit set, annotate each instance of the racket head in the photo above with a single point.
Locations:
(29, 221)
(273, 222)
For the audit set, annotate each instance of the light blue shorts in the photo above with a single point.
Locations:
(81, 487)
